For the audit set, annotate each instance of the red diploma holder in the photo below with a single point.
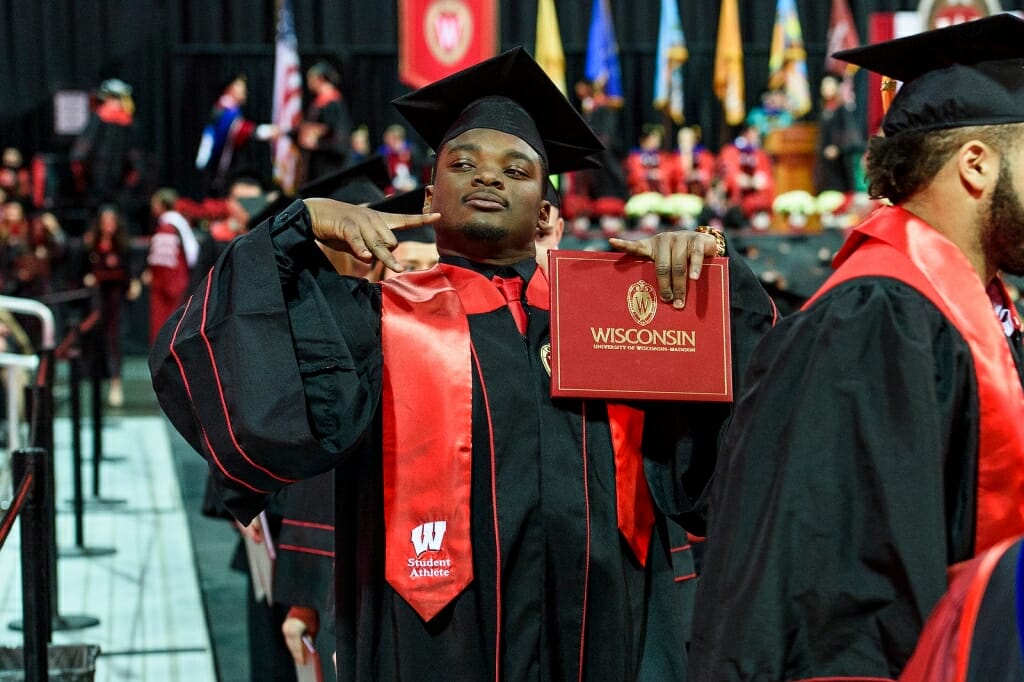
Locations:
(612, 337)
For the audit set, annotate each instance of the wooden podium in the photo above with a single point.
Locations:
(792, 150)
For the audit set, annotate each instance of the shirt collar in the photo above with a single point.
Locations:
(524, 268)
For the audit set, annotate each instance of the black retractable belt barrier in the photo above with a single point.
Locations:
(43, 557)
(40, 405)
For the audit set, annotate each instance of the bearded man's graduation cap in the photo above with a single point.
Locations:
(963, 75)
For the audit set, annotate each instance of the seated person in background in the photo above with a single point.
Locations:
(718, 212)
(40, 253)
(747, 173)
(360, 145)
(403, 163)
(14, 176)
(773, 113)
(13, 223)
(650, 168)
(695, 165)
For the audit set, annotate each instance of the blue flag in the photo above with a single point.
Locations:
(672, 53)
(602, 67)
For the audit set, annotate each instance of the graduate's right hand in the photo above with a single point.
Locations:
(361, 231)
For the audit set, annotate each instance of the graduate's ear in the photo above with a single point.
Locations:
(428, 199)
(978, 166)
(543, 214)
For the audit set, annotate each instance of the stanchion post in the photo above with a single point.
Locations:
(35, 564)
(39, 399)
(96, 383)
(77, 501)
(75, 359)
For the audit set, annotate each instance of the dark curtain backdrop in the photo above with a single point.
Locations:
(177, 53)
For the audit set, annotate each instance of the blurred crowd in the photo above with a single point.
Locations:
(130, 236)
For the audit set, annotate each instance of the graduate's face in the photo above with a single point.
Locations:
(488, 188)
(1003, 236)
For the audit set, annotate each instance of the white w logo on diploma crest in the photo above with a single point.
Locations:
(428, 536)
(641, 302)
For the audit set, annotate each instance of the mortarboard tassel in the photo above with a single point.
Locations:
(888, 92)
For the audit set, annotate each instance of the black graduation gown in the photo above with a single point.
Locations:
(111, 152)
(298, 372)
(305, 558)
(839, 127)
(304, 569)
(845, 488)
(332, 149)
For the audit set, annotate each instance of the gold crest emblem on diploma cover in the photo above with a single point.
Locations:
(642, 303)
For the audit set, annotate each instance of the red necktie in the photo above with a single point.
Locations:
(512, 289)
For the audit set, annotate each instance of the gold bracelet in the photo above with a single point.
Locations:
(717, 234)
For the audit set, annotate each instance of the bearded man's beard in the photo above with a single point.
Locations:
(1003, 234)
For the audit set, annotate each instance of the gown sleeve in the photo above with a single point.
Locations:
(681, 444)
(837, 487)
(271, 370)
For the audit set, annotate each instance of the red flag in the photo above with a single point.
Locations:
(439, 37)
(842, 35)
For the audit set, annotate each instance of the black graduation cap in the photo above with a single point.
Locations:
(362, 183)
(407, 203)
(963, 75)
(510, 93)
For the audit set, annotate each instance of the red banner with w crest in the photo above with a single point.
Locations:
(439, 37)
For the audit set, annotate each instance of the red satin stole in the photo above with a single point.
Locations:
(894, 243)
(427, 380)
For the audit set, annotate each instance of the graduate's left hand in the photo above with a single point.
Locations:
(678, 257)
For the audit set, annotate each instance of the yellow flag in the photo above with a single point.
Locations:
(548, 51)
(728, 78)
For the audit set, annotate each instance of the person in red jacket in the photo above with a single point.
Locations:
(173, 252)
(747, 172)
(694, 167)
(650, 168)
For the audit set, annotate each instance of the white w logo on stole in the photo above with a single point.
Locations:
(428, 536)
